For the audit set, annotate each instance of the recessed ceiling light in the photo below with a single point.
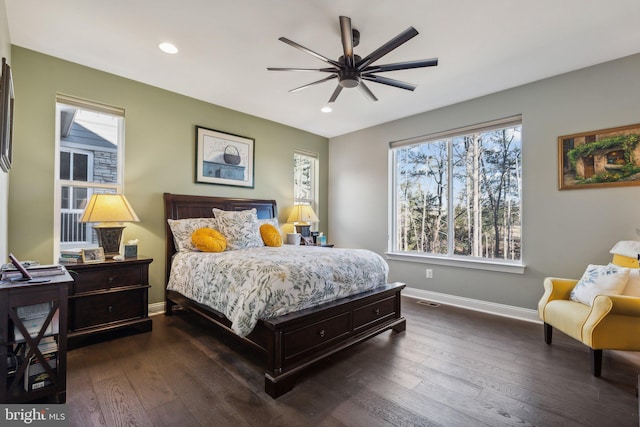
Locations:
(167, 47)
(326, 109)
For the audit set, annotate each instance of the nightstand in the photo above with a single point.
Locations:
(106, 298)
(33, 340)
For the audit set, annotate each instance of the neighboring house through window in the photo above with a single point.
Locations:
(457, 196)
(305, 178)
(89, 146)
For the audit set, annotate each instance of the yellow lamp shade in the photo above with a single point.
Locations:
(109, 208)
(302, 214)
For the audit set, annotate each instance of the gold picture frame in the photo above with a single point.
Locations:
(600, 158)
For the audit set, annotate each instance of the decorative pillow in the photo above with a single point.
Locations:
(633, 285)
(270, 235)
(628, 248)
(600, 280)
(240, 228)
(182, 229)
(272, 221)
(208, 240)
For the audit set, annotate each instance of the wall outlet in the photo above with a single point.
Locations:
(429, 273)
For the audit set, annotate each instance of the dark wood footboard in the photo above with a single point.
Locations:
(292, 342)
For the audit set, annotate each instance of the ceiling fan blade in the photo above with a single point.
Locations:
(314, 83)
(390, 82)
(401, 66)
(323, 70)
(365, 90)
(347, 41)
(309, 51)
(335, 94)
(398, 40)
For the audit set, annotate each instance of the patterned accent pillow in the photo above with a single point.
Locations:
(182, 229)
(240, 228)
(600, 280)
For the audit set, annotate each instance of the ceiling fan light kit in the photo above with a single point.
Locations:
(351, 70)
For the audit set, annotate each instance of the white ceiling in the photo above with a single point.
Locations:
(225, 46)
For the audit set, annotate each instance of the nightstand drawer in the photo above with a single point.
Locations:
(91, 280)
(105, 308)
(375, 312)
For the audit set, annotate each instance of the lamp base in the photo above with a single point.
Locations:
(304, 230)
(109, 238)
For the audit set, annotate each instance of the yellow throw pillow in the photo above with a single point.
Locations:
(270, 235)
(209, 240)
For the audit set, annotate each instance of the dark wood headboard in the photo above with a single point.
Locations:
(180, 206)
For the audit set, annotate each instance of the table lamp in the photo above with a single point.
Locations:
(109, 211)
(301, 216)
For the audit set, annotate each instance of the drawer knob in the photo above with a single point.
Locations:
(110, 309)
(321, 333)
(110, 280)
(376, 312)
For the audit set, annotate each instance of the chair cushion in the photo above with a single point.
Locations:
(600, 280)
(567, 316)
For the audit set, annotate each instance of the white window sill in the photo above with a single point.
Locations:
(477, 264)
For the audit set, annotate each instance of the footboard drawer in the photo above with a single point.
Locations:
(378, 311)
(310, 337)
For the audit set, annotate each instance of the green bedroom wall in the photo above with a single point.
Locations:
(159, 154)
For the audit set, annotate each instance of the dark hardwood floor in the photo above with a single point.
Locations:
(452, 367)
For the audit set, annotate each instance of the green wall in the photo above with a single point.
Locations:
(159, 154)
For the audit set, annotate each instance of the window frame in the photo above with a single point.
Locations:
(313, 202)
(118, 187)
(464, 261)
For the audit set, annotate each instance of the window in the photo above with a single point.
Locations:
(89, 146)
(305, 167)
(457, 195)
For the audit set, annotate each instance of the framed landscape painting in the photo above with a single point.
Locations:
(600, 158)
(223, 158)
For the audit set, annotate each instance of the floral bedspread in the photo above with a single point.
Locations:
(258, 283)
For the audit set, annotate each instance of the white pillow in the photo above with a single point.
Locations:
(628, 248)
(633, 285)
(182, 229)
(600, 280)
(240, 228)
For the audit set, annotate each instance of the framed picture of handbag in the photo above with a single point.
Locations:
(224, 158)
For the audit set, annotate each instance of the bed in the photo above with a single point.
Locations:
(289, 342)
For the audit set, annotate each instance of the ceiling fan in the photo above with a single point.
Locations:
(351, 70)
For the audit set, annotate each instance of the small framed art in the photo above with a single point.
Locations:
(224, 158)
(93, 255)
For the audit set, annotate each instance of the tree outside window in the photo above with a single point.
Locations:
(459, 195)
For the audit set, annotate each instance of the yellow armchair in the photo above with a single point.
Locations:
(611, 323)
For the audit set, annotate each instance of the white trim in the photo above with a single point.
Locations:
(476, 264)
(465, 130)
(519, 313)
(156, 308)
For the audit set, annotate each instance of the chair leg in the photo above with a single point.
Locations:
(548, 333)
(596, 362)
